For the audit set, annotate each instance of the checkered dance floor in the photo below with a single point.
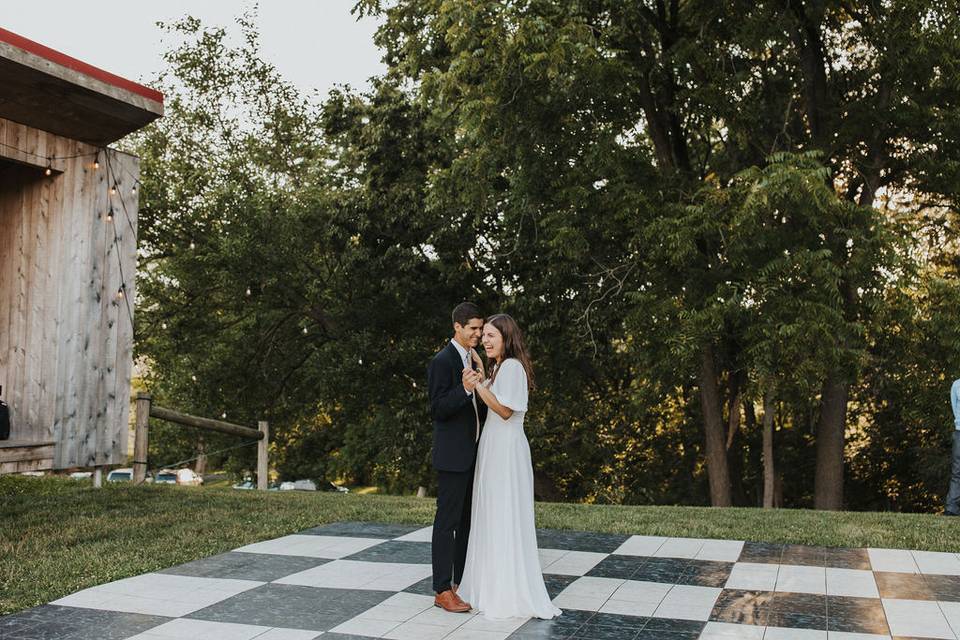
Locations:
(349, 581)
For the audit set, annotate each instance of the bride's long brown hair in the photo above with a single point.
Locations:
(513, 346)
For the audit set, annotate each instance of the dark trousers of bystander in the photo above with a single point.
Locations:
(952, 506)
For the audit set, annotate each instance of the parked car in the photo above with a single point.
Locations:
(81, 475)
(245, 485)
(166, 476)
(188, 477)
(120, 475)
(333, 486)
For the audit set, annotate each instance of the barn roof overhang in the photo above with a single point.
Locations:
(48, 90)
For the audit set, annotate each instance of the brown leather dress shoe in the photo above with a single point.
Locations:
(449, 601)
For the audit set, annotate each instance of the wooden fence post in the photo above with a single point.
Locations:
(140, 438)
(97, 477)
(263, 467)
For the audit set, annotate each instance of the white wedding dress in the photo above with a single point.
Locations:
(502, 576)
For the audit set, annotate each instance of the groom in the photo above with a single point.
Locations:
(457, 415)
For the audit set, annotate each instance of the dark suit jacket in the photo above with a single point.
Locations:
(454, 420)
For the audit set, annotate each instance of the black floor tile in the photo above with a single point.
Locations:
(559, 628)
(665, 570)
(903, 586)
(801, 554)
(856, 615)
(621, 567)
(423, 588)
(262, 567)
(706, 573)
(54, 622)
(556, 583)
(844, 558)
(761, 552)
(944, 587)
(579, 540)
(396, 551)
(293, 606)
(742, 607)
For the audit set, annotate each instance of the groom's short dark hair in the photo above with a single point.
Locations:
(465, 312)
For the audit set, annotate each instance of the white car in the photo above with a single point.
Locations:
(188, 477)
(120, 475)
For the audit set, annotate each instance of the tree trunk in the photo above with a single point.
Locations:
(716, 450)
(735, 441)
(828, 483)
(200, 467)
(769, 474)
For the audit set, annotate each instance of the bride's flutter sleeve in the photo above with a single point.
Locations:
(512, 385)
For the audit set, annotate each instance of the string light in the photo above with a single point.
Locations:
(304, 331)
(96, 163)
(120, 292)
(110, 215)
(192, 245)
(194, 378)
(248, 290)
(48, 171)
(113, 189)
(163, 325)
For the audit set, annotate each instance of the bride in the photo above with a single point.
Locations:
(502, 576)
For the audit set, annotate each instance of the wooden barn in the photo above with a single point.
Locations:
(68, 244)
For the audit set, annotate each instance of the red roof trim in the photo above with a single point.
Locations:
(54, 56)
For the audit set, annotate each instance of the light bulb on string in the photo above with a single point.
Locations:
(192, 245)
(223, 415)
(113, 189)
(248, 290)
(304, 331)
(96, 163)
(194, 378)
(163, 325)
(110, 215)
(48, 171)
(120, 293)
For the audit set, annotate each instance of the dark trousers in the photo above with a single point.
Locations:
(451, 527)
(952, 507)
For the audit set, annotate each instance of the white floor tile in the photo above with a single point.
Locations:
(387, 613)
(937, 562)
(685, 602)
(158, 594)
(463, 633)
(549, 556)
(438, 617)
(728, 631)
(420, 535)
(801, 579)
(640, 591)
(846, 635)
(414, 631)
(640, 545)
(720, 550)
(329, 547)
(482, 623)
(593, 587)
(680, 548)
(583, 603)
(186, 629)
(352, 574)
(576, 563)
(629, 608)
(366, 627)
(951, 611)
(753, 576)
(287, 634)
(916, 618)
(781, 633)
(851, 582)
(894, 560)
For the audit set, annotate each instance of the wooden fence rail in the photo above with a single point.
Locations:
(146, 410)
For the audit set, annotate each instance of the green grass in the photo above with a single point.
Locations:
(59, 536)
